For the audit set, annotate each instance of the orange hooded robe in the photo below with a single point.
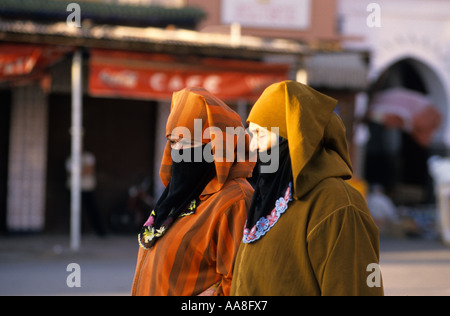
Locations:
(199, 250)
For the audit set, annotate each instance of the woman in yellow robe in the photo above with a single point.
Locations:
(308, 232)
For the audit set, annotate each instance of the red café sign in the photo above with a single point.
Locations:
(155, 76)
(20, 60)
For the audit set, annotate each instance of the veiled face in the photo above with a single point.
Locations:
(261, 138)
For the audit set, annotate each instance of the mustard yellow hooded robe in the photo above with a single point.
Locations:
(326, 240)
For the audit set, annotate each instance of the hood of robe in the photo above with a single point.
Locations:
(316, 135)
(230, 146)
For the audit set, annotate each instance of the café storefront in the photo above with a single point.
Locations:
(125, 101)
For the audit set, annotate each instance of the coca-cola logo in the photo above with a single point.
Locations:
(124, 79)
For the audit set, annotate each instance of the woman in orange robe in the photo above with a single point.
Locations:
(190, 241)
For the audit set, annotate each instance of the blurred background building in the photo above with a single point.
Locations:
(137, 52)
(135, 55)
(409, 41)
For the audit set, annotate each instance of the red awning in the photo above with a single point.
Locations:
(156, 76)
(23, 60)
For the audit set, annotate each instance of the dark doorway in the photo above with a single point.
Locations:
(120, 133)
(393, 158)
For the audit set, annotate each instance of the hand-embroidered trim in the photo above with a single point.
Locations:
(148, 234)
(264, 224)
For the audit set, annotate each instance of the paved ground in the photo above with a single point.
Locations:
(37, 266)
(415, 267)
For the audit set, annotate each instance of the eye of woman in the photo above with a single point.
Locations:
(183, 143)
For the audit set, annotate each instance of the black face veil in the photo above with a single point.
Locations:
(181, 196)
(270, 186)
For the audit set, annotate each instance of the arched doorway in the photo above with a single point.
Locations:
(394, 158)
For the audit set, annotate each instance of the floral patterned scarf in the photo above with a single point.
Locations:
(179, 199)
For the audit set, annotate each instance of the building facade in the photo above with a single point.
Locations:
(309, 21)
(413, 32)
(409, 44)
(134, 55)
